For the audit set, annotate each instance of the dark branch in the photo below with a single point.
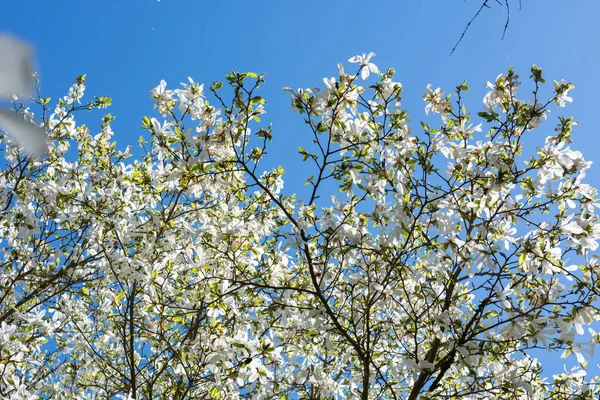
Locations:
(485, 4)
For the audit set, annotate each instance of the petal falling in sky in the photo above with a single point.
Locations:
(15, 79)
(29, 135)
(15, 67)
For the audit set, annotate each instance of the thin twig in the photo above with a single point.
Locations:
(507, 18)
(484, 5)
(469, 24)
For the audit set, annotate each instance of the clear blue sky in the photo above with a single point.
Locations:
(127, 47)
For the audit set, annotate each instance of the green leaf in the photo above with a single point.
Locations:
(214, 392)
(489, 117)
(119, 297)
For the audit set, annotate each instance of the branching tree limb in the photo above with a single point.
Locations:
(486, 4)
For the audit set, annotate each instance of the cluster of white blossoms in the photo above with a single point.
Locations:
(423, 263)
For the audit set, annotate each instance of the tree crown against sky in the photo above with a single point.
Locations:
(430, 261)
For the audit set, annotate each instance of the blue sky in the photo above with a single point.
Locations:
(127, 47)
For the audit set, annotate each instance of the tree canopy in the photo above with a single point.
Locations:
(429, 261)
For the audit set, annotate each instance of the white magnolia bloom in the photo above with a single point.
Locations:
(369, 67)
(435, 100)
(562, 89)
(15, 79)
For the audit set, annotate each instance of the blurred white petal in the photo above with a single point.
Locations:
(15, 67)
(30, 136)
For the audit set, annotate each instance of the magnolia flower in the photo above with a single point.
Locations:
(562, 89)
(15, 79)
(369, 67)
(435, 100)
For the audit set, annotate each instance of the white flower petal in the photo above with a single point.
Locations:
(30, 136)
(355, 175)
(580, 358)
(15, 67)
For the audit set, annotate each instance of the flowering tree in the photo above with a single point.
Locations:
(421, 265)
